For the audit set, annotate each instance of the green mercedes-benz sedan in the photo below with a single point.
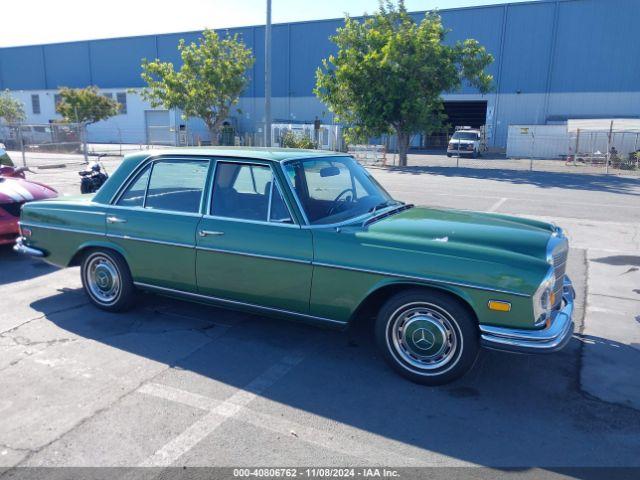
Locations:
(311, 235)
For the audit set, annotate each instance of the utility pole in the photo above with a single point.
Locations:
(267, 78)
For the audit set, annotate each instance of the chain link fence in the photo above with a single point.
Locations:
(543, 148)
(44, 144)
(538, 148)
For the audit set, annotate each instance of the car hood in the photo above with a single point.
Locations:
(466, 230)
(20, 190)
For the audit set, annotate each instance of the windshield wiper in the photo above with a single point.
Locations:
(387, 203)
(400, 206)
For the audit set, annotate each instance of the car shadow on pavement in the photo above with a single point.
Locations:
(509, 411)
(574, 181)
(17, 268)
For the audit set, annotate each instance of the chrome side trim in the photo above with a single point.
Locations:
(62, 229)
(32, 207)
(148, 240)
(255, 255)
(154, 210)
(254, 222)
(552, 338)
(421, 279)
(237, 303)
(20, 247)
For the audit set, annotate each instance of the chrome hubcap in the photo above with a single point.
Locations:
(103, 279)
(424, 336)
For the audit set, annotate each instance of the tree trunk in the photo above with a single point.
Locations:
(213, 131)
(403, 147)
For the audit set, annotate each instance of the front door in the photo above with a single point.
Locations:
(154, 221)
(249, 250)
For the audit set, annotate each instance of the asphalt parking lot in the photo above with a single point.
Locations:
(178, 384)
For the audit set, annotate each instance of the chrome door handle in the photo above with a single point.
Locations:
(116, 220)
(207, 233)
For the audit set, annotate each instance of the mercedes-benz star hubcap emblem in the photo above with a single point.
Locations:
(423, 339)
(102, 280)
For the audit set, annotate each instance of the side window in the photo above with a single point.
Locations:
(177, 185)
(244, 192)
(279, 212)
(134, 195)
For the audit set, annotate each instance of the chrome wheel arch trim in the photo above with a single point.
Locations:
(225, 301)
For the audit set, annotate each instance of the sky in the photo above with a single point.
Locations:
(30, 22)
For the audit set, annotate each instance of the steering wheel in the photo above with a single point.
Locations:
(335, 204)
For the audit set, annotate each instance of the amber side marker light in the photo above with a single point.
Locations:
(499, 306)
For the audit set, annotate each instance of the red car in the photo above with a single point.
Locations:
(15, 190)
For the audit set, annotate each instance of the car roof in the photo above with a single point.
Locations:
(260, 153)
(133, 160)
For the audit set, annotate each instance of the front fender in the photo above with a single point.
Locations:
(476, 300)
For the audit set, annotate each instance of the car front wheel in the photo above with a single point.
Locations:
(107, 281)
(428, 337)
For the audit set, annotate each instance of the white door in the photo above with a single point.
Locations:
(158, 127)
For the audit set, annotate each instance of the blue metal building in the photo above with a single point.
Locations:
(554, 59)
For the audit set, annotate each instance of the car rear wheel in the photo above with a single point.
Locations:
(107, 281)
(427, 337)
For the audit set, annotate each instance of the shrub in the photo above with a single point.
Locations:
(293, 140)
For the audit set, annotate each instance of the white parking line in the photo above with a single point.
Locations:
(344, 446)
(202, 428)
(497, 205)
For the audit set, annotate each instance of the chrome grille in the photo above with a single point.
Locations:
(559, 255)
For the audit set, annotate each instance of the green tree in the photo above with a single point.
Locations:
(11, 110)
(85, 105)
(209, 83)
(390, 72)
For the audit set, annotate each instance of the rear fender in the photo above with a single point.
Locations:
(91, 244)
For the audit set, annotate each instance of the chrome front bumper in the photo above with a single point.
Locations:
(20, 247)
(552, 338)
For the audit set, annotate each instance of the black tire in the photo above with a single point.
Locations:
(101, 270)
(449, 155)
(475, 154)
(85, 186)
(431, 322)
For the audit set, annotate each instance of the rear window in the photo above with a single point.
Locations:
(174, 185)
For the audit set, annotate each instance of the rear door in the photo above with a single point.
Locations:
(249, 249)
(155, 218)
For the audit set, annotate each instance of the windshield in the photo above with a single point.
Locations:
(335, 189)
(465, 136)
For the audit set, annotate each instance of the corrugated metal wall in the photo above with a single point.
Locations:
(556, 46)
